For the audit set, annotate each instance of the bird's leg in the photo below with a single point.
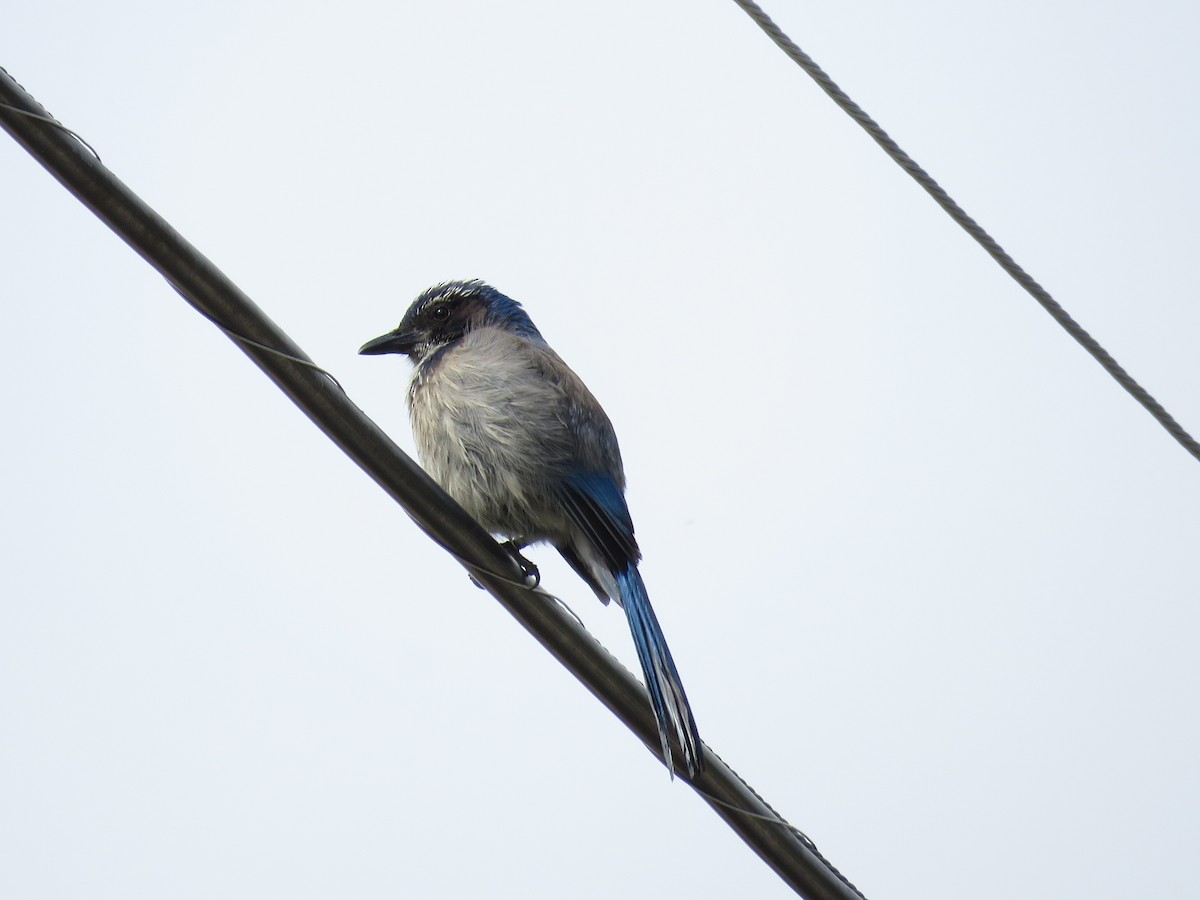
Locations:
(532, 576)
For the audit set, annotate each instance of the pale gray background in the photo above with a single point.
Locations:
(929, 574)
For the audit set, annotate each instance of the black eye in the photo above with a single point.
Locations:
(441, 311)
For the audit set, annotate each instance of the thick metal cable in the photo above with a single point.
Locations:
(985, 240)
(791, 855)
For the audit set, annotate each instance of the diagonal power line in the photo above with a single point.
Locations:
(956, 212)
(787, 851)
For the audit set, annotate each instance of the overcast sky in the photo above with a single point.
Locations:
(929, 574)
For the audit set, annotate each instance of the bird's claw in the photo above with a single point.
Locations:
(531, 576)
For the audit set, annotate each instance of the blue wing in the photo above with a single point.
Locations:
(595, 505)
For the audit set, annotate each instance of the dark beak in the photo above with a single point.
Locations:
(393, 342)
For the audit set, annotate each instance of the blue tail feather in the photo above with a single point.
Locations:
(671, 708)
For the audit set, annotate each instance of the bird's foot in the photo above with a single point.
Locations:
(532, 577)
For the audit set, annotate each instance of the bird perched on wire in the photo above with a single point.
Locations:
(519, 441)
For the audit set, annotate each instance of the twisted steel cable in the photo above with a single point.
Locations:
(973, 228)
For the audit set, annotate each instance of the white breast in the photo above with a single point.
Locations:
(488, 430)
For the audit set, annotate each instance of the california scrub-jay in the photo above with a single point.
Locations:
(517, 439)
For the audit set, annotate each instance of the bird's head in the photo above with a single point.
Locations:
(446, 312)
